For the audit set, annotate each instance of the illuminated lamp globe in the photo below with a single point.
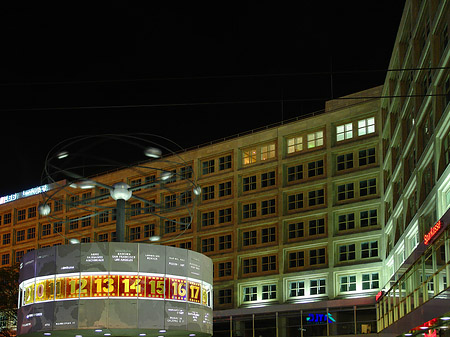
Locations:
(153, 152)
(197, 190)
(74, 241)
(120, 191)
(166, 175)
(44, 210)
(62, 155)
(154, 238)
(86, 184)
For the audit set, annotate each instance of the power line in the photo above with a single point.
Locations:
(161, 105)
(215, 77)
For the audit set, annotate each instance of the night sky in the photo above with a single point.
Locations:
(192, 73)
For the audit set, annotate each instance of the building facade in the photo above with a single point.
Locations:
(306, 221)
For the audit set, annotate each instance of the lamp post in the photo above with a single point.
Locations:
(121, 192)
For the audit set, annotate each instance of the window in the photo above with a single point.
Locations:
(315, 139)
(317, 256)
(369, 249)
(103, 237)
(20, 235)
(32, 212)
(258, 153)
(345, 191)
(296, 230)
(46, 229)
(366, 126)
(21, 214)
(317, 287)
(250, 294)
(186, 172)
(249, 238)
(347, 252)
(225, 242)
(346, 221)
(269, 292)
(170, 201)
(368, 218)
(269, 263)
(296, 288)
(31, 233)
(366, 157)
(315, 168)
(316, 197)
(295, 173)
(268, 179)
(170, 226)
(295, 201)
(316, 226)
(249, 210)
(296, 259)
(268, 235)
(367, 187)
(225, 269)
(294, 144)
(6, 239)
(268, 207)
(208, 193)
(370, 281)
(344, 131)
(103, 217)
(208, 245)
(5, 259)
(208, 219)
(224, 296)
(347, 283)
(225, 163)
(149, 230)
(224, 189)
(135, 233)
(225, 215)
(250, 266)
(249, 183)
(267, 151)
(7, 218)
(344, 162)
(208, 166)
(185, 199)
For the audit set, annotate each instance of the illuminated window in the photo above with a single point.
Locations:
(294, 144)
(315, 139)
(369, 249)
(267, 151)
(296, 288)
(249, 156)
(366, 126)
(344, 131)
(370, 281)
(317, 287)
(347, 252)
(347, 283)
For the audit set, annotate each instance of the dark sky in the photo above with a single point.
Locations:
(192, 73)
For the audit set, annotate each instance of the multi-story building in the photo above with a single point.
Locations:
(306, 221)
